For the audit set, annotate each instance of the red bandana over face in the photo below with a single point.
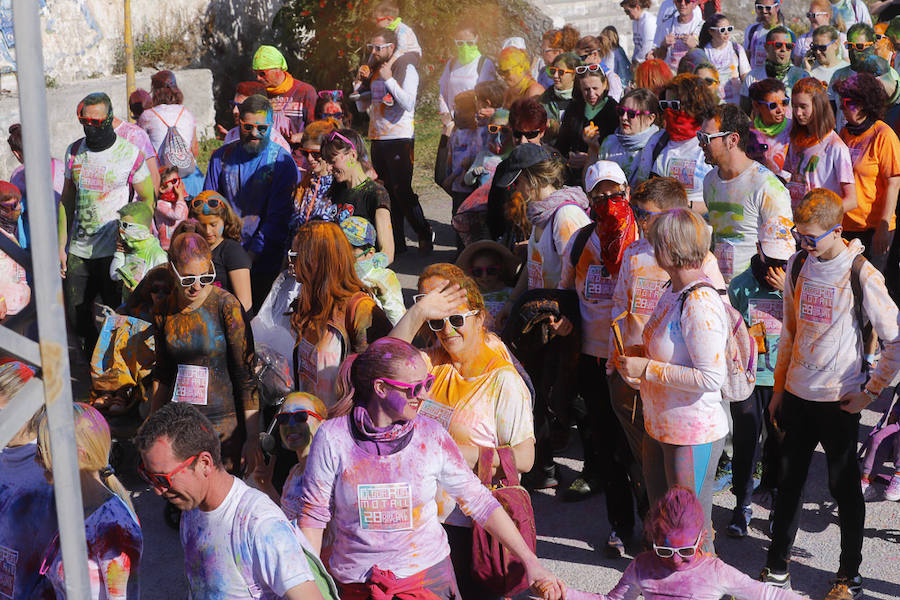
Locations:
(616, 228)
(680, 125)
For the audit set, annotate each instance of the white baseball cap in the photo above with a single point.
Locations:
(776, 239)
(603, 170)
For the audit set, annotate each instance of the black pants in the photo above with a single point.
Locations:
(86, 279)
(806, 424)
(748, 417)
(607, 457)
(393, 161)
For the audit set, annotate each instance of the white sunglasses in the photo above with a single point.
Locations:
(187, 281)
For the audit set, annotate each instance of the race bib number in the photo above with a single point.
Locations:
(646, 295)
(535, 275)
(437, 411)
(385, 506)
(8, 560)
(308, 362)
(816, 303)
(683, 170)
(93, 178)
(725, 257)
(768, 312)
(598, 285)
(191, 385)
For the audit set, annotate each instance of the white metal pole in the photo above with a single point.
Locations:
(49, 298)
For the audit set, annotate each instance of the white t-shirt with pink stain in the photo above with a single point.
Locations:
(826, 165)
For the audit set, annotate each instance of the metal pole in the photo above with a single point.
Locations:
(130, 85)
(49, 299)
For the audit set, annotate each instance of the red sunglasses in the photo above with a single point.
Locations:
(91, 122)
(163, 481)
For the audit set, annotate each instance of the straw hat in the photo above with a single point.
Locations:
(508, 262)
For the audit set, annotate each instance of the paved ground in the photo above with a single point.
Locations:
(569, 533)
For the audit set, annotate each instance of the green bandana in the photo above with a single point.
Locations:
(394, 24)
(769, 130)
(777, 71)
(591, 111)
(564, 94)
(466, 54)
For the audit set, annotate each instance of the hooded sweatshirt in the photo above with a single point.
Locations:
(820, 353)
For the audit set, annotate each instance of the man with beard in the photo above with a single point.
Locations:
(391, 104)
(103, 171)
(293, 101)
(740, 194)
(258, 178)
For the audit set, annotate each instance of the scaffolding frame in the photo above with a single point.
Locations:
(52, 388)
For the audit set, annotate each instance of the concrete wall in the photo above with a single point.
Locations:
(62, 101)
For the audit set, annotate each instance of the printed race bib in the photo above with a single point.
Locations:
(816, 303)
(437, 411)
(535, 275)
(725, 257)
(93, 178)
(8, 560)
(598, 285)
(645, 295)
(385, 506)
(768, 312)
(191, 385)
(308, 362)
(683, 170)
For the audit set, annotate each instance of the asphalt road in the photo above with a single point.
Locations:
(571, 536)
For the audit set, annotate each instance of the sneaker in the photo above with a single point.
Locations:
(426, 242)
(580, 489)
(868, 491)
(615, 547)
(740, 520)
(845, 588)
(541, 478)
(773, 579)
(892, 492)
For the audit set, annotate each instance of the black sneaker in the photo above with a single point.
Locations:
(541, 478)
(779, 580)
(740, 520)
(580, 489)
(845, 588)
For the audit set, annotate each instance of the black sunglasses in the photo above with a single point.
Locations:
(529, 135)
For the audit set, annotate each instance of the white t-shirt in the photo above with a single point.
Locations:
(738, 208)
(544, 254)
(672, 26)
(825, 74)
(246, 523)
(823, 165)
(667, 10)
(682, 160)
(458, 78)
(644, 32)
(27, 520)
(151, 121)
(731, 62)
(755, 44)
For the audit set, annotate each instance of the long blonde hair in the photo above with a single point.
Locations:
(93, 440)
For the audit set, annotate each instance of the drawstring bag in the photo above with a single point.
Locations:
(174, 151)
(493, 566)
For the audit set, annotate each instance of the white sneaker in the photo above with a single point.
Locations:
(892, 492)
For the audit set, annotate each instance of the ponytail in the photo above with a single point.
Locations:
(109, 479)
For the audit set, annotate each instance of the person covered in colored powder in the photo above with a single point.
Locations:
(293, 101)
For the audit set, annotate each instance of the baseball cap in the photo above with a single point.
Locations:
(776, 240)
(603, 170)
(522, 157)
(359, 231)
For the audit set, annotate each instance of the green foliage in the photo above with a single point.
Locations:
(207, 147)
(50, 82)
(162, 49)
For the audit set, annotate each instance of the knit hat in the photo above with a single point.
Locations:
(268, 57)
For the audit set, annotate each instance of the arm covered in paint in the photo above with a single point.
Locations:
(730, 581)
(239, 338)
(120, 562)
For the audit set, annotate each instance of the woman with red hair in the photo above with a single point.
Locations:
(653, 74)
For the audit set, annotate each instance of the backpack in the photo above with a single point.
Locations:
(855, 285)
(174, 151)
(581, 239)
(493, 565)
(740, 350)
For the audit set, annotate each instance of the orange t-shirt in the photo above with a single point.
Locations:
(875, 156)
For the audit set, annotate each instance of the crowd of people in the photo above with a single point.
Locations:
(686, 254)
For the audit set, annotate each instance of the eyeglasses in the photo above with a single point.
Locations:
(631, 113)
(313, 154)
(378, 47)
(163, 481)
(813, 15)
(296, 417)
(554, 71)
(858, 46)
(456, 321)
(726, 29)
(821, 47)
(484, 271)
(808, 240)
(125, 226)
(673, 104)
(248, 127)
(781, 45)
(683, 2)
(849, 103)
(641, 213)
(773, 105)
(684, 551)
(333, 94)
(92, 122)
(879, 37)
(413, 390)
(504, 72)
(496, 128)
(767, 7)
(338, 134)
(461, 43)
(528, 135)
(581, 70)
(705, 138)
(210, 201)
(169, 183)
(614, 197)
(187, 281)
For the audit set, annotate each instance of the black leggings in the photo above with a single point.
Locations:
(393, 161)
(748, 417)
(806, 424)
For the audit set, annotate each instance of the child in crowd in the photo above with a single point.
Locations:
(643, 28)
(138, 250)
(675, 529)
(465, 142)
(888, 429)
(756, 293)
(387, 15)
(820, 384)
(498, 147)
(172, 205)
(371, 267)
(493, 267)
